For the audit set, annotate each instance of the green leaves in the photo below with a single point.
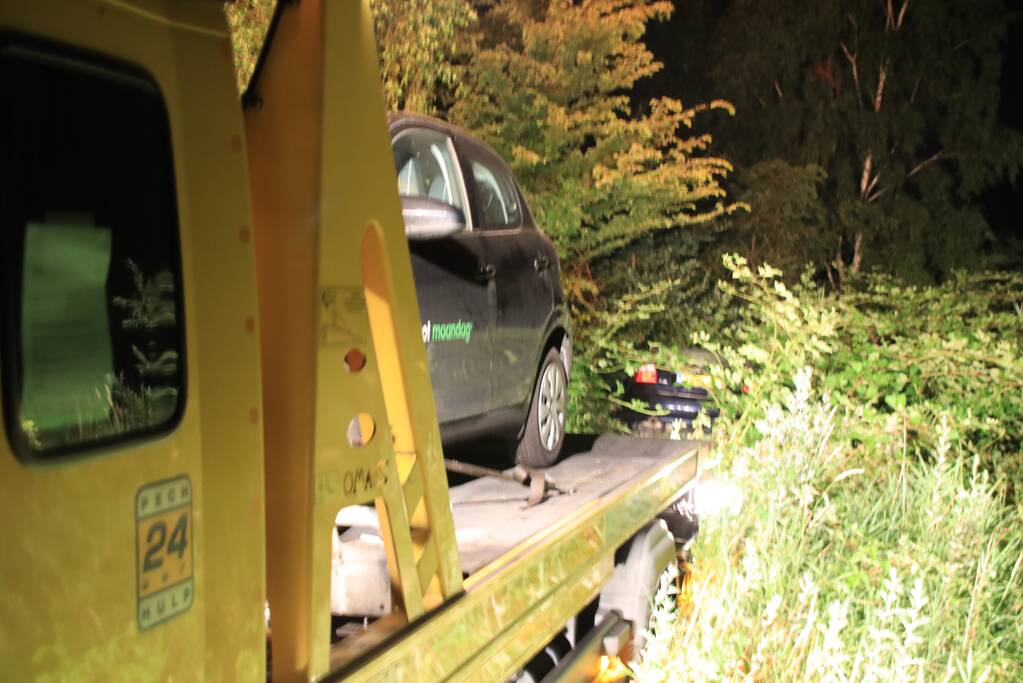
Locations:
(547, 88)
(248, 21)
(902, 358)
(895, 401)
(423, 46)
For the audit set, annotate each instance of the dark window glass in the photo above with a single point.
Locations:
(495, 198)
(90, 274)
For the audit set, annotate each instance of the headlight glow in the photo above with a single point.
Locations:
(715, 497)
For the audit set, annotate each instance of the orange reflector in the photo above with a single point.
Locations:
(611, 669)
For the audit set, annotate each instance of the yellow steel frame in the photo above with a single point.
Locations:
(334, 278)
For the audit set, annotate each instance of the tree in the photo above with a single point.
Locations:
(248, 21)
(423, 45)
(787, 224)
(549, 89)
(897, 100)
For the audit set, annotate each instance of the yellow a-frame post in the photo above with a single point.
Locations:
(335, 286)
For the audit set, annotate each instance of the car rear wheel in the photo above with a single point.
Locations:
(544, 432)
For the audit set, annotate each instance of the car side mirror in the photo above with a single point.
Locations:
(430, 219)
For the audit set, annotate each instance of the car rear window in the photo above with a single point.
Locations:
(93, 337)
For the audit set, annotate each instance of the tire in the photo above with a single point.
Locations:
(544, 431)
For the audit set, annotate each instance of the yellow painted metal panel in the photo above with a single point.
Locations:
(335, 277)
(283, 139)
(359, 189)
(68, 571)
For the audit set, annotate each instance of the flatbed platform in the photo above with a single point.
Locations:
(492, 517)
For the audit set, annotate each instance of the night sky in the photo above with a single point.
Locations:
(684, 81)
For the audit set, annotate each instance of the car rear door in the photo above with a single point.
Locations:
(456, 293)
(520, 260)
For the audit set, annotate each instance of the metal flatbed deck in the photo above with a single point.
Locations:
(492, 516)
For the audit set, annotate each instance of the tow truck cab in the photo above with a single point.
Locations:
(211, 345)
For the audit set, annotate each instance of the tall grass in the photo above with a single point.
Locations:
(844, 563)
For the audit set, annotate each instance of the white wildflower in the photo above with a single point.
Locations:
(771, 611)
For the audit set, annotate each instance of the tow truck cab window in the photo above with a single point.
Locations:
(90, 264)
(426, 167)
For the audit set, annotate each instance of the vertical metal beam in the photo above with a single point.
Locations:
(283, 142)
(335, 278)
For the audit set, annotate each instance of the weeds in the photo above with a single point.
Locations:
(866, 545)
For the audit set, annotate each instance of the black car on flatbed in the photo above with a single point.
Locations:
(494, 320)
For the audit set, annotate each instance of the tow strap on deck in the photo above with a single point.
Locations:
(536, 479)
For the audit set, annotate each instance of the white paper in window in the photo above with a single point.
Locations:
(67, 358)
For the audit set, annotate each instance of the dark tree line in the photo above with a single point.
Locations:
(866, 133)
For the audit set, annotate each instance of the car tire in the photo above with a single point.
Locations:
(544, 431)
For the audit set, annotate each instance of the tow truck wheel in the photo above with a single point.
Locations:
(544, 432)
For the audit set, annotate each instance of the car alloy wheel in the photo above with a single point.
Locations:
(550, 409)
(544, 431)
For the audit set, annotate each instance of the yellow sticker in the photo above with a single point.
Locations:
(163, 541)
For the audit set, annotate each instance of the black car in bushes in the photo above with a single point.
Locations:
(681, 394)
(494, 320)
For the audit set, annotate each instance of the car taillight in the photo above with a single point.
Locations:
(647, 374)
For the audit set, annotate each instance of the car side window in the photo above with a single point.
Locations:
(90, 265)
(495, 197)
(426, 167)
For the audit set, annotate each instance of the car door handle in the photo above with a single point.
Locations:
(541, 262)
(487, 271)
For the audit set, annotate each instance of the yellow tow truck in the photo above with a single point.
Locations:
(211, 351)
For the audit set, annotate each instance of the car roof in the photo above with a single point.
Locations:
(401, 118)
